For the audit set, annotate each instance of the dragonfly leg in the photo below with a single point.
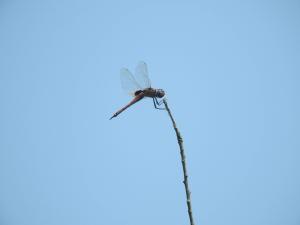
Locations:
(156, 104)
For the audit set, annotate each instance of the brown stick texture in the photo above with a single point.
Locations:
(184, 167)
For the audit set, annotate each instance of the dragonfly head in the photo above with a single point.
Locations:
(160, 93)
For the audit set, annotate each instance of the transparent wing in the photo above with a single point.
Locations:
(141, 75)
(129, 84)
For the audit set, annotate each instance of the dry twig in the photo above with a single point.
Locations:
(183, 161)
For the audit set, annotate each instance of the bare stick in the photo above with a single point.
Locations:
(183, 161)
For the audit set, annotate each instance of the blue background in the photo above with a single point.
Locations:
(231, 73)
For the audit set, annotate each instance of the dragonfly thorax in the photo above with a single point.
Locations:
(153, 93)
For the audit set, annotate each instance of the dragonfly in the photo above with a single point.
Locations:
(139, 87)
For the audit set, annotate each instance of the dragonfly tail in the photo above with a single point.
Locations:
(135, 100)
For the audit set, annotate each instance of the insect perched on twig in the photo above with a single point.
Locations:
(139, 86)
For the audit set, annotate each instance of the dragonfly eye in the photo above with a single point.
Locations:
(160, 93)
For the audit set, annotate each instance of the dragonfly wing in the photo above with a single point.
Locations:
(141, 75)
(129, 84)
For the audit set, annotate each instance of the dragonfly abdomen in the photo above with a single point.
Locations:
(137, 92)
(135, 100)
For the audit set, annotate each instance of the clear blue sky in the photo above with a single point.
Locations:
(231, 73)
